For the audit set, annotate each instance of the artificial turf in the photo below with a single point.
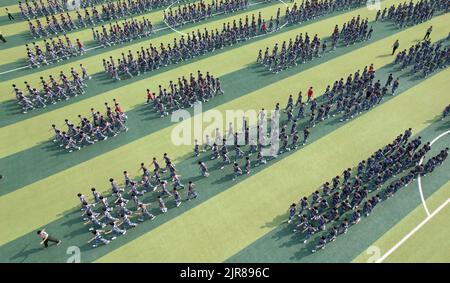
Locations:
(142, 119)
(282, 245)
(230, 221)
(126, 156)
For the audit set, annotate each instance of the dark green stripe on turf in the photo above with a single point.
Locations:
(282, 245)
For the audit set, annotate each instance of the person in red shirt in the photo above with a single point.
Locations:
(371, 69)
(263, 26)
(150, 96)
(336, 29)
(117, 108)
(80, 46)
(310, 94)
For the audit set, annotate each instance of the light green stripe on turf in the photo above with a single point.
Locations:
(50, 197)
(28, 134)
(420, 251)
(237, 217)
(156, 18)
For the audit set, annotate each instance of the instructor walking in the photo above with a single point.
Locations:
(47, 238)
(395, 46)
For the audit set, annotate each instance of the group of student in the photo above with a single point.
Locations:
(255, 138)
(302, 50)
(118, 212)
(340, 203)
(52, 26)
(196, 12)
(89, 130)
(39, 8)
(424, 57)
(298, 51)
(184, 93)
(55, 51)
(353, 31)
(345, 99)
(110, 11)
(358, 93)
(409, 14)
(309, 10)
(189, 46)
(127, 31)
(51, 91)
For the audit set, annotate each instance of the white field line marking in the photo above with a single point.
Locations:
(419, 181)
(425, 221)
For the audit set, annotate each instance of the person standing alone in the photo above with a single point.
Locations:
(47, 238)
(427, 35)
(10, 16)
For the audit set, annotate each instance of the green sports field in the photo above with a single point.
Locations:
(230, 221)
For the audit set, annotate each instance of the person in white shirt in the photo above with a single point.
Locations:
(47, 238)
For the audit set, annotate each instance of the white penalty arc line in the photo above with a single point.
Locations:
(182, 33)
(419, 181)
(412, 232)
(87, 49)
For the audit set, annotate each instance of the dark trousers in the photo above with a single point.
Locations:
(2, 38)
(427, 35)
(393, 49)
(10, 17)
(50, 239)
